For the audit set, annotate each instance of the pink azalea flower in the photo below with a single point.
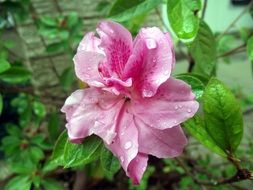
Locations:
(133, 103)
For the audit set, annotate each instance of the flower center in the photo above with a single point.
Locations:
(127, 99)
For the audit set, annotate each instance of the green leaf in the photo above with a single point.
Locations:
(53, 125)
(48, 21)
(48, 32)
(1, 104)
(36, 180)
(123, 10)
(245, 33)
(13, 130)
(203, 50)
(15, 75)
(18, 183)
(109, 162)
(67, 78)
(182, 15)
(4, 65)
(64, 34)
(39, 109)
(196, 84)
(81, 154)
(51, 184)
(55, 47)
(72, 19)
(223, 116)
(250, 48)
(196, 127)
(58, 152)
(36, 153)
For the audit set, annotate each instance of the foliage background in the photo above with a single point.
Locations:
(38, 41)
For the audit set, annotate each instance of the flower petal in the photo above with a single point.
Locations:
(173, 104)
(92, 111)
(161, 143)
(86, 67)
(90, 43)
(151, 61)
(170, 42)
(137, 167)
(125, 144)
(87, 59)
(116, 41)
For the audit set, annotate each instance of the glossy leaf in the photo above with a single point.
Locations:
(123, 10)
(72, 19)
(53, 125)
(182, 15)
(4, 65)
(58, 152)
(39, 109)
(250, 48)
(196, 84)
(223, 116)
(67, 78)
(56, 47)
(81, 154)
(51, 184)
(196, 127)
(18, 183)
(49, 21)
(203, 50)
(15, 75)
(109, 162)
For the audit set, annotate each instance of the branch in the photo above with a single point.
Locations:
(235, 20)
(204, 9)
(238, 49)
(241, 175)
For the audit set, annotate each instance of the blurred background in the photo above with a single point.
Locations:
(38, 39)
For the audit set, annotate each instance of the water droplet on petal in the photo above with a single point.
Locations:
(151, 43)
(128, 145)
(121, 159)
(176, 107)
(189, 110)
(175, 121)
(166, 72)
(147, 93)
(180, 106)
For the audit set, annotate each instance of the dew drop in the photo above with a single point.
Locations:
(176, 107)
(189, 110)
(151, 43)
(175, 121)
(147, 93)
(128, 145)
(166, 72)
(121, 159)
(180, 106)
